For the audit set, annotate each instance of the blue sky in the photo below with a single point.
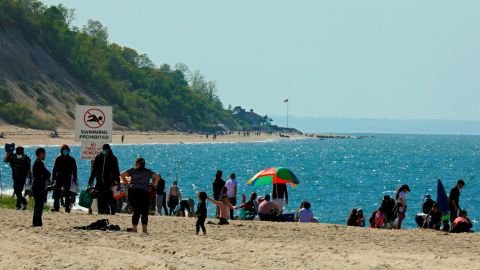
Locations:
(353, 59)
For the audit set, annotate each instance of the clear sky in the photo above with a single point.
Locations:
(358, 59)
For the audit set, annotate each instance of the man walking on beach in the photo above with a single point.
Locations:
(64, 172)
(20, 164)
(39, 189)
(454, 199)
(106, 171)
(232, 187)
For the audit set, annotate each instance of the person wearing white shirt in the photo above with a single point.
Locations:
(401, 197)
(232, 187)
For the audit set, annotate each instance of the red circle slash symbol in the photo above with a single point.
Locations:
(94, 118)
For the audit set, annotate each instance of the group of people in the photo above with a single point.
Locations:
(142, 182)
(431, 217)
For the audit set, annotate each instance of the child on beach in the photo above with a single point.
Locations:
(224, 206)
(305, 215)
(201, 212)
(378, 219)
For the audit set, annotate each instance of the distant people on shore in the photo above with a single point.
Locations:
(173, 197)
(265, 209)
(360, 218)
(388, 205)
(161, 197)
(39, 186)
(462, 223)
(231, 187)
(352, 218)
(20, 165)
(63, 174)
(378, 218)
(305, 215)
(454, 200)
(401, 206)
(106, 172)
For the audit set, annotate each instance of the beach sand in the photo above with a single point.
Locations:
(172, 244)
(25, 137)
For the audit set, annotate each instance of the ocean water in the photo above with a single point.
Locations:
(335, 175)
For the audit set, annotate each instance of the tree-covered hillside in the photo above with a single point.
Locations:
(144, 96)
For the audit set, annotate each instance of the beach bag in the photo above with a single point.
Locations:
(74, 188)
(86, 198)
(118, 192)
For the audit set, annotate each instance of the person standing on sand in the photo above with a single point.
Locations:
(39, 186)
(20, 164)
(173, 197)
(280, 195)
(218, 188)
(64, 172)
(232, 188)
(224, 206)
(401, 206)
(201, 212)
(105, 170)
(160, 191)
(454, 200)
(139, 191)
(388, 204)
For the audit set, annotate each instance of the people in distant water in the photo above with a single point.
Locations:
(201, 213)
(224, 206)
(218, 188)
(20, 164)
(360, 221)
(454, 200)
(63, 174)
(265, 209)
(39, 186)
(280, 195)
(462, 223)
(352, 218)
(231, 190)
(173, 197)
(305, 215)
(139, 191)
(401, 206)
(106, 172)
(388, 204)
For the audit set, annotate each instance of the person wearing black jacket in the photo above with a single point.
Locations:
(161, 197)
(454, 200)
(218, 188)
(20, 164)
(106, 171)
(64, 172)
(39, 189)
(201, 213)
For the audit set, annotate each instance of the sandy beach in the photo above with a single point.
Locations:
(171, 244)
(25, 137)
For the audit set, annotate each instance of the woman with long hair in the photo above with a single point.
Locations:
(401, 197)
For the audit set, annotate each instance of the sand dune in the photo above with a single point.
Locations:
(171, 244)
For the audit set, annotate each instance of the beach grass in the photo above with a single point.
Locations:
(9, 201)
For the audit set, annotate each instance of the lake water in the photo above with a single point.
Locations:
(335, 175)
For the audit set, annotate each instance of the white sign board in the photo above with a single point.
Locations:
(90, 150)
(93, 123)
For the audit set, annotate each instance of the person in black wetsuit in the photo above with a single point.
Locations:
(201, 212)
(218, 188)
(388, 204)
(20, 164)
(64, 172)
(105, 170)
(39, 189)
(435, 218)
(454, 199)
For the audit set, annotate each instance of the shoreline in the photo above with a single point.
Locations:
(172, 244)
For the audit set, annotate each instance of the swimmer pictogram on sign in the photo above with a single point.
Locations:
(94, 118)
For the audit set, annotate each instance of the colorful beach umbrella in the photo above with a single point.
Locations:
(274, 175)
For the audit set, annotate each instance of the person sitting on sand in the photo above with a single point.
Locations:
(360, 221)
(201, 212)
(297, 214)
(139, 191)
(434, 218)
(265, 209)
(305, 215)
(352, 218)
(462, 223)
(250, 207)
(377, 220)
(401, 206)
(173, 197)
(224, 207)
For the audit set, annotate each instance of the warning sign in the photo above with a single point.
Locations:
(93, 123)
(91, 149)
